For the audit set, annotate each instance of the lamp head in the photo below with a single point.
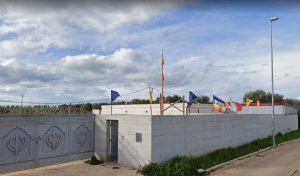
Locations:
(273, 19)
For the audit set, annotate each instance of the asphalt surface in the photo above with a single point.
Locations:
(281, 161)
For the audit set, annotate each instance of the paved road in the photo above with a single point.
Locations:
(77, 168)
(282, 161)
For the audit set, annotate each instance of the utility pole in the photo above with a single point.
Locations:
(273, 119)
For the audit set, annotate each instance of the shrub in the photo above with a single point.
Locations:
(94, 161)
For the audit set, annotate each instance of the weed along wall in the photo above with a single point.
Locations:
(140, 139)
(33, 141)
(196, 135)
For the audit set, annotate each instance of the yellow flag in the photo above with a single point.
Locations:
(150, 94)
(248, 102)
(199, 105)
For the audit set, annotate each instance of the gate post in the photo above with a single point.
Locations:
(36, 138)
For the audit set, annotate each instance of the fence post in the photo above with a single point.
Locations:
(70, 109)
(183, 106)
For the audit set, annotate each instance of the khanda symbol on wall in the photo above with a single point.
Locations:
(81, 135)
(53, 138)
(16, 143)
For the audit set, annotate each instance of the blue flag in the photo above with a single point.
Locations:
(192, 97)
(113, 95)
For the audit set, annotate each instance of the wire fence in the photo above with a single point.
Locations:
(26, 108)
(45, 110)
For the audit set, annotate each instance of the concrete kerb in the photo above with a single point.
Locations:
(219, 166)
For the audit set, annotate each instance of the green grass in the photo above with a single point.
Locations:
(187, 166)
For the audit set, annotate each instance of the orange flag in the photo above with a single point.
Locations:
(258, 103)
(228, 105)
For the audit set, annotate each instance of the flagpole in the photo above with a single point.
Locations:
(183, 106)
(162, 82)
(160, 104)
(150, 93)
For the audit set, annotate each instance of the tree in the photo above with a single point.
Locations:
(293, 102)
(262, 96)
(139, 101)
(88, 107)
(173, 99)
(203, 99)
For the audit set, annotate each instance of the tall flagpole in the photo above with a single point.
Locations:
(162, 82)
(150, 94)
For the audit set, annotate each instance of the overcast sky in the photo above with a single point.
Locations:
(78, 51)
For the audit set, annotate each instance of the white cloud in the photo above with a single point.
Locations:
(77, 77)
(91, 76)
(33, 27)
(208, 54)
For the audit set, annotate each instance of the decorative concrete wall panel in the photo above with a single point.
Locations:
(33, 141)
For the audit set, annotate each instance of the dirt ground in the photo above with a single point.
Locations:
(77, 168)
(282, 161)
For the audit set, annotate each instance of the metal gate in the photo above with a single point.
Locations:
(113, 140)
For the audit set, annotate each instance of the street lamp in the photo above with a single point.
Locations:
(273, 119)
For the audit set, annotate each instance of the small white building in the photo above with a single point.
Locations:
(135, 140)
(144, 109)
(183, 109)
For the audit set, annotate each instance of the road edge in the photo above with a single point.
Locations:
(211, 169)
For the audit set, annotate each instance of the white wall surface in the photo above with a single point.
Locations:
(100, 138)
(164, 137)
(196, 135)
(141, 109)
(130, 153)
(144, 109)
(279, 109)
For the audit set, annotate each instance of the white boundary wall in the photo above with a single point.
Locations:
(196, 135)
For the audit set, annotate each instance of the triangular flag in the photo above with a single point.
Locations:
(192, 97)
(248, 102)
(113, 95)
(150, 94)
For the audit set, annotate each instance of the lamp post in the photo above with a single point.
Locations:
(273, 119)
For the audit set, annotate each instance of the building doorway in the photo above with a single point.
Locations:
(112, 131)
